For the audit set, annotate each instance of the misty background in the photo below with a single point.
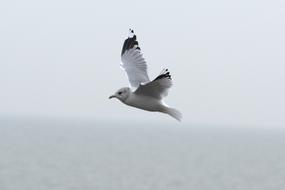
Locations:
(59, 63)
(60, 59)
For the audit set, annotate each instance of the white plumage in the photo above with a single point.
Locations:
(133, 62)
(158, 88)
(145, 94)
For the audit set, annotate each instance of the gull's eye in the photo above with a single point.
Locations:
(119, 93)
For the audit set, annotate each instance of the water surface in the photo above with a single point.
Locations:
(58, 155)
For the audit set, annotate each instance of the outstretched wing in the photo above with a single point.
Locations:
(158, 88)
(133, 62)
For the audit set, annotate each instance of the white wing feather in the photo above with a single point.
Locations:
(135, 66)
(158, 88)
(133, 62)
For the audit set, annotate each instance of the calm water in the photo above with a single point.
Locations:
(56, 155)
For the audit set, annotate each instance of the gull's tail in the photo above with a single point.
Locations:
(172, 112)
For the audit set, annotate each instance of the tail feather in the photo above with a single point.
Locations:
(173, 113)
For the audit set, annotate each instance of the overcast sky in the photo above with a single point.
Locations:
(60, 58)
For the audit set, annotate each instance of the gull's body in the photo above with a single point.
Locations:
(139, 101)
(147, 95)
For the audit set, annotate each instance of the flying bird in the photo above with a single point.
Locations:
(143, 94)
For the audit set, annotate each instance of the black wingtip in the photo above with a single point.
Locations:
(130, 42)
(164, 74)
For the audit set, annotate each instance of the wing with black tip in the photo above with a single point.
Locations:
(133, 62)
(158, 88)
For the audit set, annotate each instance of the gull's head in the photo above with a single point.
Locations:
(122, 94)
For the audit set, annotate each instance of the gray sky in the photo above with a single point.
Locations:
(61, 58)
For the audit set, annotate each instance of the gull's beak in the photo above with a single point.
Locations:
(113, 96)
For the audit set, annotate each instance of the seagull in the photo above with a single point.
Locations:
(143, 94)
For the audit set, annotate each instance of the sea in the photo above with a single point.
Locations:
(54, 154)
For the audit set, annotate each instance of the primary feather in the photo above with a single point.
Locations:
(133, 62)
(158, 88)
